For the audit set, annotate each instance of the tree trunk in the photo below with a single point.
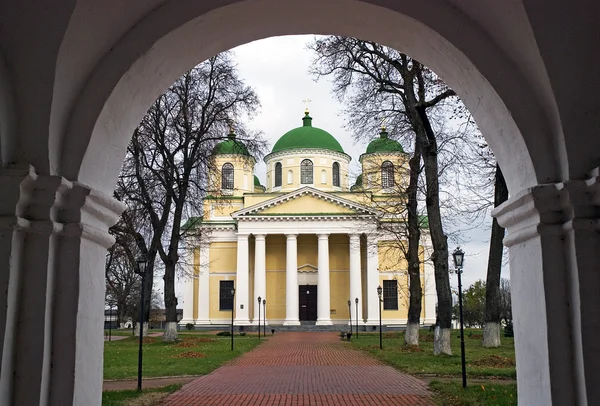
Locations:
(438, 238)
(491, 327)
(170, 303)
(411, 337)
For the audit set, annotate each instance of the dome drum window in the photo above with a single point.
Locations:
(387, 175)
(336, 174)
(227, 176)
(278, 174)
(306, 172)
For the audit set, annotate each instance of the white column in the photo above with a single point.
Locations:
(372, 281)
(355, 278)
(203, 279)
(260, 275)
(323, 293)
(188, 292)
(241, 301)
(291, 281)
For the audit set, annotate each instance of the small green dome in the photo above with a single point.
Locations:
(230, 146)
(357, 184)
(384, 144)
(307, 136)
(256, 181)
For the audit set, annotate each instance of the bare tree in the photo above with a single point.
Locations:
(370, 73)
(165, 169)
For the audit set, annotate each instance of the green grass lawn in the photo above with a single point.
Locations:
(452, 394)
(146, 397)
(481, 362)
(192, 355)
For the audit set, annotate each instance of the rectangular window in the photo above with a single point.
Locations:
(225, 298)
(390, 295)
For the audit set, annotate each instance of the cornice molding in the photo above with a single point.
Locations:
(306, 151)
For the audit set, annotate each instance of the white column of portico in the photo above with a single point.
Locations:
(355, 278)
(372, 281)
(323, 291)
(291, 281)
(241, 301)
(203, 279)
(260, 273)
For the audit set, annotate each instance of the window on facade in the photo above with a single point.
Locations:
(336, 174)
(387, 175)
(390, 295)
(306, 172)
(225, 297)
(227, 176)
(278, 174)
(323, 176)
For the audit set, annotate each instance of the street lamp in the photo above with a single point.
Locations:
(356, 301)
(264, 317)
(379, 292)
(459, 256)
(232, 309)
(350, 315)
(141, 261)
(259, 300)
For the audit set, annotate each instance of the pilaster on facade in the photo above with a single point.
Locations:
(242, 285)
(260, 273)
(372, 280)
(355, 277)
(203, 284)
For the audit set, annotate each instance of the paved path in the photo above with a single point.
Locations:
(303, 369)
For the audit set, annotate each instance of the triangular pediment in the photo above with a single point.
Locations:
(307, 268)
(305, 202)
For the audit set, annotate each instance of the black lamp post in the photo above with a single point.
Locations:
(259, 317)
(264, 317)
(142, 261)
(459, 257)
(232, 309)
(356, 301)
(379, 292)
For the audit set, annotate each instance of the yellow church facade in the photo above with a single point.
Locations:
(312, 248)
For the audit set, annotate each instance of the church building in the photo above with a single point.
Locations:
(312, 248)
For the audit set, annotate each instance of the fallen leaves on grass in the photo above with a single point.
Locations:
(411, 348)
(190, 354)
(193, 342)
(149, 340)
(148, 399)
(494, 361)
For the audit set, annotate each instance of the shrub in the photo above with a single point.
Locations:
(508, 330)
(189, 326)
(224, 333)
(242, 333)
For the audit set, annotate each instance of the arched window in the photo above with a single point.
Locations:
(227, 176)
(278, 174)
(387, 174)
(306, 172)
(336, 174)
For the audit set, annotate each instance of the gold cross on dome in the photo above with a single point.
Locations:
(306, 101)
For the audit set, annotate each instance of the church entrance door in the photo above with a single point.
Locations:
(308, 302)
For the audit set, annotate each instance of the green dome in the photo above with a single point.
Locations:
(256, 181)
(384, 144)
(230, 146)
(307, 136)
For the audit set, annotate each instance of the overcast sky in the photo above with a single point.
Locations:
(277, 69)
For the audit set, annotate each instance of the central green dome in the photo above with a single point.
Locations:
(307, 136)
(384, 144)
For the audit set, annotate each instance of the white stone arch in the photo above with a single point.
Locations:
(148, 59)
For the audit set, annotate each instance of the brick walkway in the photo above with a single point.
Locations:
(303, 369)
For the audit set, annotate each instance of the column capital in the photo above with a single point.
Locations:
(260, 236)
(243, 236)
(291, 236)
(550, 209)
(322, 236)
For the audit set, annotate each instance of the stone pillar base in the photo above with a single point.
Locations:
(291, 323)
(242, 323)
(324, 323)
